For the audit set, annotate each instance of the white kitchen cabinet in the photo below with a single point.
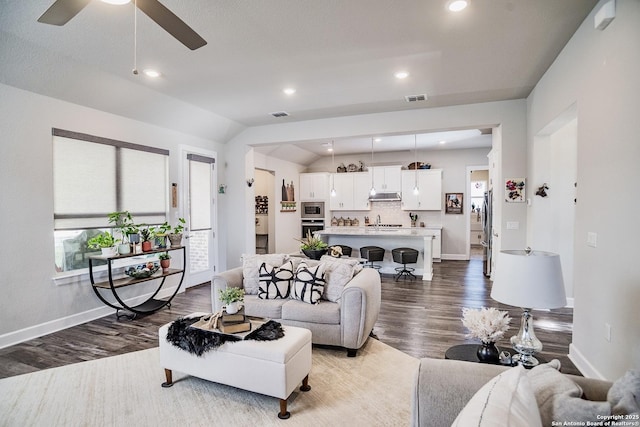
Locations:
(314, 186)
(429, 197)
(352, 191)
(387, 179)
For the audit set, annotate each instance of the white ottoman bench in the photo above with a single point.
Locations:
(273, 368)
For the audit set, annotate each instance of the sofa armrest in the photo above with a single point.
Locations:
(359, 307)
(227, 279)
(443, 387)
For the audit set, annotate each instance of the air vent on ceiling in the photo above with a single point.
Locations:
(280, 114)
(415, 98)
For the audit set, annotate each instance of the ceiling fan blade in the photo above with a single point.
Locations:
(60, 12)
(171, 23)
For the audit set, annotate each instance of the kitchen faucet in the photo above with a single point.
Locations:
(377, 221)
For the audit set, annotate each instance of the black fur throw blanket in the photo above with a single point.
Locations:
(197, 341)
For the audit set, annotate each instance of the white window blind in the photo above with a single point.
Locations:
(94, 176)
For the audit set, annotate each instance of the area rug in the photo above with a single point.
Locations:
(372, 389)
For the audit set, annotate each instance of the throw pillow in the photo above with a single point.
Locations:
(275, 281)
(506, 400)
(559, 398)
(308, 283)
(250, 265)
(624, 394)
(338, 272)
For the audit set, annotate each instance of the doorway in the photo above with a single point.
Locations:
(199, 199)
(264, 210)
(477, 186)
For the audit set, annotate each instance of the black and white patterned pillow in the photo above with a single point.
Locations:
(275, 282)
(308, 283)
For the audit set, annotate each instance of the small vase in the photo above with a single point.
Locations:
(232, 307)
(146, 246)
(488, 353)
(175, 239)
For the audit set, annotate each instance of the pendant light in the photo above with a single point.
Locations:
(416, 191)
(372, 192)
(333, 169)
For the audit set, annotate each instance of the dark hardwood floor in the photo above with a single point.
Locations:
(422, 319)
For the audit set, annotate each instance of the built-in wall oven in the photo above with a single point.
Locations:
(312, 217)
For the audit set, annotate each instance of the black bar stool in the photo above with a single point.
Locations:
(405, 256)
(346, 250)
(372, 253)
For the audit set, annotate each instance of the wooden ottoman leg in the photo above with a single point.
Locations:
(283, 414)
(169, 383)
(305, 384)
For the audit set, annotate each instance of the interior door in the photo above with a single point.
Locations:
(202, 247)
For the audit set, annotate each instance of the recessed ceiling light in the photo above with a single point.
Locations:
(443, 142)
(151, 73)
(117, 2)
(378, 139)
(289, 91)
(458, 5)
(401, 75)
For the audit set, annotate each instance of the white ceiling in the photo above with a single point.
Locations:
(340, 55)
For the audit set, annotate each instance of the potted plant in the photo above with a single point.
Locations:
(146, 235)
(123, 222)
(161, 234)
(175, 235)
(165, 261)
(231, 297)
(313, 247)
(103, 241)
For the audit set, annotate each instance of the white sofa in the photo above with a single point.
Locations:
(345, 323)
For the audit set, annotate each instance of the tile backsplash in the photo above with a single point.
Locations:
(390, 213)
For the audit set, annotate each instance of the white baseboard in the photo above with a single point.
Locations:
(36, 331)
(583, 364)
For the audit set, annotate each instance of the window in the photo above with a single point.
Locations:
(94, 176)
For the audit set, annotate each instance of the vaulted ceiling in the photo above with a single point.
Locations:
(339, 55)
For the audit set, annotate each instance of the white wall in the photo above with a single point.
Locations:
(510, 116)
(598, 71)
(31, 302)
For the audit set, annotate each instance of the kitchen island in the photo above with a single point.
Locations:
(389, 238)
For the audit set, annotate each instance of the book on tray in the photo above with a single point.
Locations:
(230, 319)
(234, 328)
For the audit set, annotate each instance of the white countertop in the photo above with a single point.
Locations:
(380, 231)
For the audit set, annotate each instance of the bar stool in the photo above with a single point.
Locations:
(371, 254)
(405, 256)
(346, 250)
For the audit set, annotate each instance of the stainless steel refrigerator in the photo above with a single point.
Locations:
(487, 218)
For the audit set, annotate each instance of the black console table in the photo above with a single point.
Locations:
(151, 304)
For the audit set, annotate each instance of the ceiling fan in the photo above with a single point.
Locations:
(61, 12)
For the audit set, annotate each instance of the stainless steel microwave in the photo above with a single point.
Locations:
(310, 210)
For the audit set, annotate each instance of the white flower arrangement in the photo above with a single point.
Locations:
(486, 324)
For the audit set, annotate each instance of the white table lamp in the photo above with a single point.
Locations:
(531, 280)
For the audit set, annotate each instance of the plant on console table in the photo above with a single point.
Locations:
(312, 246)
(175, 233)
(123, 222)
(232, 297)
(488, 325)
(146, 234)
(103, 241)
(165, 261)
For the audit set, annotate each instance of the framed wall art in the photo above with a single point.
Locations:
(453, 203)
(514, 190)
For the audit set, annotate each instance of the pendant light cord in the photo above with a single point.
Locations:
(135, 37)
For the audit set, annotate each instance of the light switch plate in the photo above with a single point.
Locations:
(592, 239)
(513, 225)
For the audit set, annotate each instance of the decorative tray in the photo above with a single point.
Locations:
(142, 271)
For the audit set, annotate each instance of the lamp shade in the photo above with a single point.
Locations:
(529, 279)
